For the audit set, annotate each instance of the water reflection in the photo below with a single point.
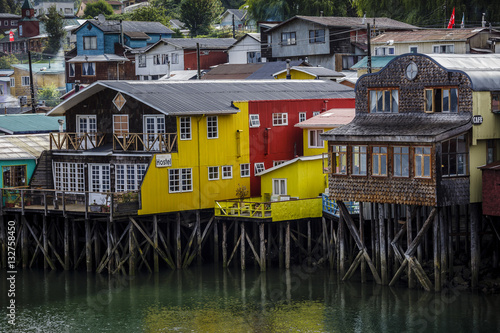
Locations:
(212, 300)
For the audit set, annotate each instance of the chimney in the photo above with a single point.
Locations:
(288, 76)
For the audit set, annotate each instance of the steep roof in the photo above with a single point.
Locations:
(129, 26)
(252, 35)
(28, 123)
(428, 35)
(238, 13)
(209, 97)
(22, 147)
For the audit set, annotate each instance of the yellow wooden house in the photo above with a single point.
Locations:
(44, 75)
(309, 73)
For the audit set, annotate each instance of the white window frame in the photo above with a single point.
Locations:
(316, 142)
(302, 116)
(183, 185)
(213, 173)
(100, 180)
(259, 167)
(86, 70)
(278, 184)
(164, 59)
(212, 127)
(25, 81)
(316, 113)
(275, 163)
(69, 177)
(128, 177)
(12, 82)
(280, 119)
(245, 170)
(254, 120)
(385, 50)
(227, 171)
(411, 47)
(71, 70)
(141, 59)
(174, 58)
(448, 47)
(185, 128)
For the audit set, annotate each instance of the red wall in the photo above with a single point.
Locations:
(281, 142)
(491, 190)
(214, 57)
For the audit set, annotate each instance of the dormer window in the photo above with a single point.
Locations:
(384, 101)
(441, 100)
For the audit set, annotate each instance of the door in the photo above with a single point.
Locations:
(86, 127)
(153, 127)
(99, 184)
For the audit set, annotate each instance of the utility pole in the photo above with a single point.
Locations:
(32, 89)
(234, 29)
(198, 60)
(369, 59)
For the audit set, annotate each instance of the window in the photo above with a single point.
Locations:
(317, 36)
(253, 57)
(120, 124)
(279, 186)
(69, 176)
(258, 168)
(90, 42)
(254, 120)
(227, 171)
(495, 101)
(315, 140)
(443, 48)
(212, 127)
(302, 116)
(379, 161)
(156, 59)
(422, 162)
(1, 89)
(13, 23)
(12, 82)
(245, 170)
(213, 173)
(359, 165)
(280, 119)
(25, 81)
(14, 175)
(129, 176)
(349, 60)
(20, 30)
(316, 113)
(413, 49)
(384, 50)
(142, 60)
(175, 58)
(490, 151)
(71, 69)
(88, 68)
(384, 101)
(68, 10)
(401, 161)
(288, 38)
(275, 163)
(99, 178)
(180, 180)
(339, 160)
(185, 128)
(455, 153)
(441, 100)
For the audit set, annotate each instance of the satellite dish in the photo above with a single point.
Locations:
(101, 18)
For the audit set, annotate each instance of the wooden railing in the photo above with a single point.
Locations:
(76, 141)
(247, 209)
(331, 207)
(163, 142)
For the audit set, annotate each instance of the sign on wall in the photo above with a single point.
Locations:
(163, 161)
(477, 120)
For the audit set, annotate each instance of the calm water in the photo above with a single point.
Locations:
(215, 300)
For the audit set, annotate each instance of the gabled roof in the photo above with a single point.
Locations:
(22, 147)
(257, 71)
(239, 14)
(295, 160)
(199, 97)
(252, 35)
(429, 35)
(314, 71)
(28, 123)
(328, 119)
(129, 26)
(351, 22)
(9, 16)
(177, 24)
(190, 43)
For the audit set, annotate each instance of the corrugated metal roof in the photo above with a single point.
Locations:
(28, 123)
(428, 35)
(17, 147)
(330, 118)
(315, 71)
(130, 26)
(377, 62)
(56, 67)
(205, 43)
(295, 160)
(269, 68)
(97, 58)
(404, 127)
(205, 97)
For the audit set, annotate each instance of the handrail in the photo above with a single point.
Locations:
(76, 141)
(164, 142)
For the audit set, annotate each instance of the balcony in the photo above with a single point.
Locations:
(331, 207)
(123, 142)
(22, 199)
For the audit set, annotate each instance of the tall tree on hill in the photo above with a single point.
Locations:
(198, 15)
(93, 9)
(150, 13)
(54, 26)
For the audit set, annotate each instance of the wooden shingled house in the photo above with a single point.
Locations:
(423, 126)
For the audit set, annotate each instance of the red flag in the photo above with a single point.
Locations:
(452, 19)
(11, 36)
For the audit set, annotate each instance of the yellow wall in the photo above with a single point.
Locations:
(296, 209)
(313, 151)
(199, 153)
(40, 80)
(296, 75)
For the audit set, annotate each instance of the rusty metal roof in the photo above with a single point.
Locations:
(428, 35)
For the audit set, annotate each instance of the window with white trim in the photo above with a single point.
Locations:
(259, 167)
(227, 171)
(12, 82)
(99, 175)
(71, 69)
(316, 113)
(128, 177)
(279, 186)
(180, 180)
(288, 38)
(245, 170)
(213, 172)
(413, 49)
(185, 128)
(142, 60)
(156, 59)
(280, 119)
(25, 81)
(69, 177)
(302, 116)
(164, 59)
(254, 120)
(212, 127)
(175, 58)
(315, 140)
(384, 50)
(88, 69)
(275, 163)
(447, 48)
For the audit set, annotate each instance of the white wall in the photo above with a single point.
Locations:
(238, 53)
(161, 69)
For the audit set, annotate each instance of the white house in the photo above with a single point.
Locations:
(65, 8)
(246, 50)
(156, 60)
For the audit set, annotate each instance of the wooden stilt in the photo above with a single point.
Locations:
(262, 247)
(75, 244)
(178, 252)
(269, 244)
(362, 241)
(24, 241)
(132, 251)
(419, 226)
(198, 236)
(88, 246)
(449, 241)
(341, 241)
(443, 242)
(45, 242)
(309, 244)
(457, 228)
(390, 233)
(280, 245)
(98, 240)
(216, 244)
(437, 257)
(39, 246)
(409, 238)
(224, 244)
(66, 244)
(109, 251)
(382, 239)
(287, 246)
(156, 262)
(475, 219)
(242, 246)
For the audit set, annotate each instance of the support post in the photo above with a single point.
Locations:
(262, 247)
(409, 239)
(216, 243)
(24, 242)
(224, 244)
(382, 239)
(198, 236)
(156, 262)
(66, 244)
(132, 250)
(242, 246)
(88, 248)
(362, 240)
(178, 242)
(475, 219)
(45, 240)
(443, 242)
(287, 246)
(437, 257)
(341, 240)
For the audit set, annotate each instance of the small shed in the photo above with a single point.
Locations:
(491, 188)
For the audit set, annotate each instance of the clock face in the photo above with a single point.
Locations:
(411, 70)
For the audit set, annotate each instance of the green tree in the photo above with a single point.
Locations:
(7, 61)
(98, 7)
(198, 15)
(150, 13)
(50, 94)
(54, 26)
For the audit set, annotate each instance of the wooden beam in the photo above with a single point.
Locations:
(42, 248)
(156, 263)
(262, 238)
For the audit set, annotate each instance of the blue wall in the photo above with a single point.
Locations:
(84, 31)
(30, 167)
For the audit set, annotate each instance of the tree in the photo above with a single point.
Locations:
(50, 94)
(54, 26)
(150, 13)
(7, 61)
(198, 15)
(99, 7)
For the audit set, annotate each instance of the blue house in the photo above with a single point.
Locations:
(102, 49)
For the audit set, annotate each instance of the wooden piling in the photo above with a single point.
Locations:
(287, 246)
(75, 243)
(437, 256)
(45, 241)
(382, 239)
(224, 244)
(341, 240)
(409, 238)
(362, 240)
(309, 242)
(216, 244)
(88, 246)
(132, 251)
(262, 247)
(24, 241)
(198, 236)
(242, 246)
(156, 261)
(443, 242)
(280, 245)
(97, 242)
(66, 244)
(475, 219)
(178, 253)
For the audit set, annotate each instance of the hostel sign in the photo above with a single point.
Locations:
(163, 160)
